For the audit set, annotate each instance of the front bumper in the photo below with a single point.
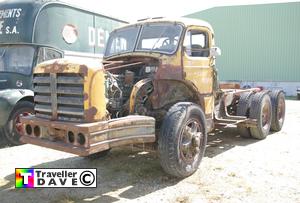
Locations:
(84, 139)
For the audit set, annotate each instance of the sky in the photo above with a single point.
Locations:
(132, 10)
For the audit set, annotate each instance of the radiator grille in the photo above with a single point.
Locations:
(59, 96)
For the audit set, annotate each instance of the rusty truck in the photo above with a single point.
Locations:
(157, 86)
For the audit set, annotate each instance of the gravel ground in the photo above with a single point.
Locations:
(233, 170)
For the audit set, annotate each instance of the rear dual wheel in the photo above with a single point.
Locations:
(278, 109)
(268, 108)
(243, 110)
(261, 110)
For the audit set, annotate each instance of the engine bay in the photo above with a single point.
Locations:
(119, 82)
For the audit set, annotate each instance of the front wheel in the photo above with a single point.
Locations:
(13, 128)
(182, 140)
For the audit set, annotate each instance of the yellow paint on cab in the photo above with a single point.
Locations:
(94, 88)
(209, 102)
(200, 72)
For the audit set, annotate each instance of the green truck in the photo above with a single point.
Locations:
(33, 31)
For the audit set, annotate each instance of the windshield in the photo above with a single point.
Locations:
(154, 37)
(16, 59)
(159, 38)
(121, 41)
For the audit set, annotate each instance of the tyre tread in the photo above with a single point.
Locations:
(255, 113)
(166, 142)
(274, 95)
(243, 110)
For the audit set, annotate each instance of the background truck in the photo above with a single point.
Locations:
(157, 85)
(35, 31)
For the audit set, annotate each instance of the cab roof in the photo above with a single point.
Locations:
(184, 21)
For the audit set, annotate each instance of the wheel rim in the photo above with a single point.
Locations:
(280, 110)
(18, 124)
(266, 115)
(191, 140)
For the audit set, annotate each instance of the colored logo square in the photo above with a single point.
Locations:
(24, 178)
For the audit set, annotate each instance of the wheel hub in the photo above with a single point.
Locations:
(191, 140)
(280, 110)
(266, 111)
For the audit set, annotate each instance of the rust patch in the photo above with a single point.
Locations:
(90, 113)
(61, 67)
(169, 72)
(99, 135)
(116, 66)
(231, 85)
(83, 69)
(85, 96)
(138, 89)
(55, 68)
(169, 92)
(129, 78)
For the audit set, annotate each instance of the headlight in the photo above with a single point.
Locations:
(19, 83)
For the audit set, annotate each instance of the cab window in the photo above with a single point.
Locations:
(196, 44)
(48, 54)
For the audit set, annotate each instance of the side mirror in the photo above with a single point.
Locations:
(215, 51)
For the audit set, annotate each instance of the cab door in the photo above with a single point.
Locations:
(197, 64)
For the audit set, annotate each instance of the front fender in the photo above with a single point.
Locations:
(8, 99)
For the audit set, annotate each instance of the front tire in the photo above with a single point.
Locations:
(182, 140)
(13, 128)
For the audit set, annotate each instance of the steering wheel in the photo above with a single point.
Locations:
(167, 42)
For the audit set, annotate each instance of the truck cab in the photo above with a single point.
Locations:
(179, 57)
